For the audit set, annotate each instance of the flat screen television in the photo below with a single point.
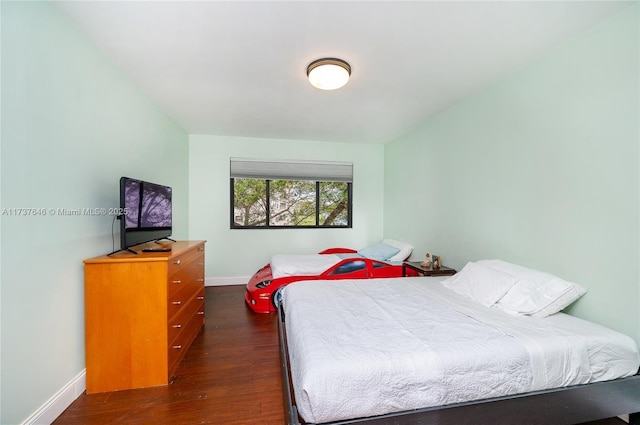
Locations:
(147, 208)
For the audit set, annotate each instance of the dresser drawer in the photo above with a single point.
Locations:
(186, 274)
(181, 343)
(178, 300)
(185, 260)
(179, 321)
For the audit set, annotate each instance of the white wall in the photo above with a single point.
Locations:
(72, 124)
(541, 169)
(240, 252)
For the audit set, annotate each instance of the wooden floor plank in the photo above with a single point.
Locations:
(230, 376)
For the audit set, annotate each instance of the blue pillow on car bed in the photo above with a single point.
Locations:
(379, 251)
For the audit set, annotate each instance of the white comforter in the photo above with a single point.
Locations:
(301, 264)
(368, 347)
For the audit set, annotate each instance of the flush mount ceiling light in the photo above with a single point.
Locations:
(328, 73)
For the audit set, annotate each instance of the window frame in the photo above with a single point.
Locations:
(267, 225)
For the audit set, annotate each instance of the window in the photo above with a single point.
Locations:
(350, 267)
(285, 194)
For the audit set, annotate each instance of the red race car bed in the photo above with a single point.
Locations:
(380, 260)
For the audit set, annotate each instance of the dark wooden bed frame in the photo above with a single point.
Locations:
(560, 406)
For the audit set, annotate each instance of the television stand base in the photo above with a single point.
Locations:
(158, 240)
(128, 249)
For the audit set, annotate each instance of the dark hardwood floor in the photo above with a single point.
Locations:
(230, 376)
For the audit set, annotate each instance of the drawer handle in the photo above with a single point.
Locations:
(177, 326)
(177, 303)
(200, 280)
(201, 248)
(177, 347)
(177, 262)
(201, 313)
(177, 281)
(201, 264)
(201, 297)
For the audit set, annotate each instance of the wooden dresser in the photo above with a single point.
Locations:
(142, 312)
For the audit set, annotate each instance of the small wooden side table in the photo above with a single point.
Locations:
(426, 271)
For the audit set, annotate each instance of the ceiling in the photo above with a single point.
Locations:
(239, 67)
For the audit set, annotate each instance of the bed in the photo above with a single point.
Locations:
(379, 260)
(414, 351)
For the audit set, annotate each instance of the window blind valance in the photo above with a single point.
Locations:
(327, 171)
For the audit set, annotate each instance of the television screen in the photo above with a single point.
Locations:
(148, 212)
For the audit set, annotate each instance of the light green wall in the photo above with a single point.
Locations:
(240, 252)
(72, 124)
(541, 169)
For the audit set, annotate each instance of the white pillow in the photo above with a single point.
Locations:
(534, 276)
(528, 298)
(379, 251)
(482, 284)
(537, 293)
(405, 249)
(562, 302)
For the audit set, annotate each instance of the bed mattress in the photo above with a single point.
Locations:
(305, 264)
(361, 348)
(301, 264)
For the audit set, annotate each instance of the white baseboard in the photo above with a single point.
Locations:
(50, 410)
(224, 281)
